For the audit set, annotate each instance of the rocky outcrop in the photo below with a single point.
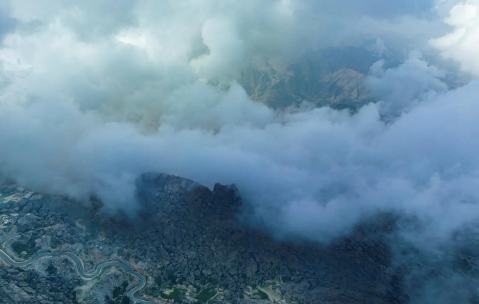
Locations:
(206, 242)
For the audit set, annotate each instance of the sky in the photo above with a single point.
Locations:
(93, 94)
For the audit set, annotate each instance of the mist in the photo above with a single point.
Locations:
(92, 97)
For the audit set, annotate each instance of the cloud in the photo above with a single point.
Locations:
(152, 87)
(378, 8)
(400, 88)
(7, 24)
(461, 43)
(301, 171)
(353, 22)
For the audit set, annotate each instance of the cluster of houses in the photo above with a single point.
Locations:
(12, 194)
(7, 220)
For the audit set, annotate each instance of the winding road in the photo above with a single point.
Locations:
(81, 270)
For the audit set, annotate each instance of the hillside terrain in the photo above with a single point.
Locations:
(189, 245)
(325, 77)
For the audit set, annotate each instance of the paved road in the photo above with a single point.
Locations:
(81, 270)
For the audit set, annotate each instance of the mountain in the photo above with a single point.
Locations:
(332, 76)
(189, 246)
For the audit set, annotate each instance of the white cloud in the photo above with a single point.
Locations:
(461, 44)
(88, 103)
(302, 172)
(406, 85)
